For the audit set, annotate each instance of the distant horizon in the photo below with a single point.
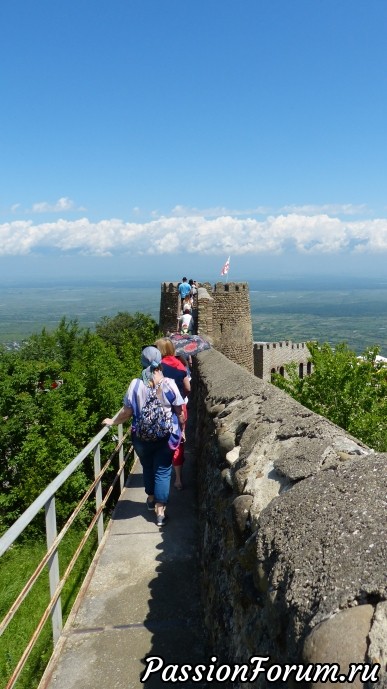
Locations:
(298, 309)
(315, 280)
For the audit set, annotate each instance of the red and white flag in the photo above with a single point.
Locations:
(226, 267)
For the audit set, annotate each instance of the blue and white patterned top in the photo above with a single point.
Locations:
(170, 397)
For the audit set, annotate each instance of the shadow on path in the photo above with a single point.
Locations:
(143, 598)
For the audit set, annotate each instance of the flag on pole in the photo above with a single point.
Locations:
(226, 267)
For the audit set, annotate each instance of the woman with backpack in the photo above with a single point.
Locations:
(154, 404)
(173, 368)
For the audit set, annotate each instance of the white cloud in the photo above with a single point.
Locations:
(329, 208)
(61, 205)
(216, 211)
(317, 234)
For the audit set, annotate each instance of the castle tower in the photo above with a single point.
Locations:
(232, 328)
(222, 313)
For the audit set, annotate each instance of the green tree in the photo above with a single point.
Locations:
(140, 329)
(104, 377)
(43, 427)
(59, 346)
(349, 390)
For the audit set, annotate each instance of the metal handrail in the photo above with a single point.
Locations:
(26, 518)
(51, 558)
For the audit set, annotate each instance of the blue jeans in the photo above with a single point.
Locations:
(156, 460)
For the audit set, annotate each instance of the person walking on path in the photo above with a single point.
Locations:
(155, 405)
(194, 290)
(184, 291)
(174, 368)
(185, 322)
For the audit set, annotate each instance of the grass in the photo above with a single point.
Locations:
(16, 567)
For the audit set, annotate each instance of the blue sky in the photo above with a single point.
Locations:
(157, 137)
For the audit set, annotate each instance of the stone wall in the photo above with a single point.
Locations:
(293, 527)
(204, 321)
(169, 307)
(273, 356)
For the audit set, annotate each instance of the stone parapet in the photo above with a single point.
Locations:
(293, 527)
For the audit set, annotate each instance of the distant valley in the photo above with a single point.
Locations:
(351, 311)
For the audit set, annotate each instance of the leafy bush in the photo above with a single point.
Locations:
(349, 390)
(54, 392)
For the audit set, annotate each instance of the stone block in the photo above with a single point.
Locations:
(240, 516)
(377, 650)
(341, 639)
(226, 442)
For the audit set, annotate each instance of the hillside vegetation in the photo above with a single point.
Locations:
(54, 392)
(349, 390)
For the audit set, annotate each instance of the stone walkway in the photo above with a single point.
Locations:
(143, 597)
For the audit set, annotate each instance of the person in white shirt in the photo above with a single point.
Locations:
(186, 322)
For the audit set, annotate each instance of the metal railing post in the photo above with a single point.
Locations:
(46, 500)
(53, 568)
(98, 491)
(121, 456)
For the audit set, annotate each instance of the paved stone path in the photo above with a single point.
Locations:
(143, 598)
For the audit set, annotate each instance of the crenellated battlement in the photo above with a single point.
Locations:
(169, 287)
(285, 344)
(230, 287)
(272, 357)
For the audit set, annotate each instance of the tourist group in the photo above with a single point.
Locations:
(157, 404)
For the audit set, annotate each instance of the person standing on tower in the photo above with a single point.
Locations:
(184, 291)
